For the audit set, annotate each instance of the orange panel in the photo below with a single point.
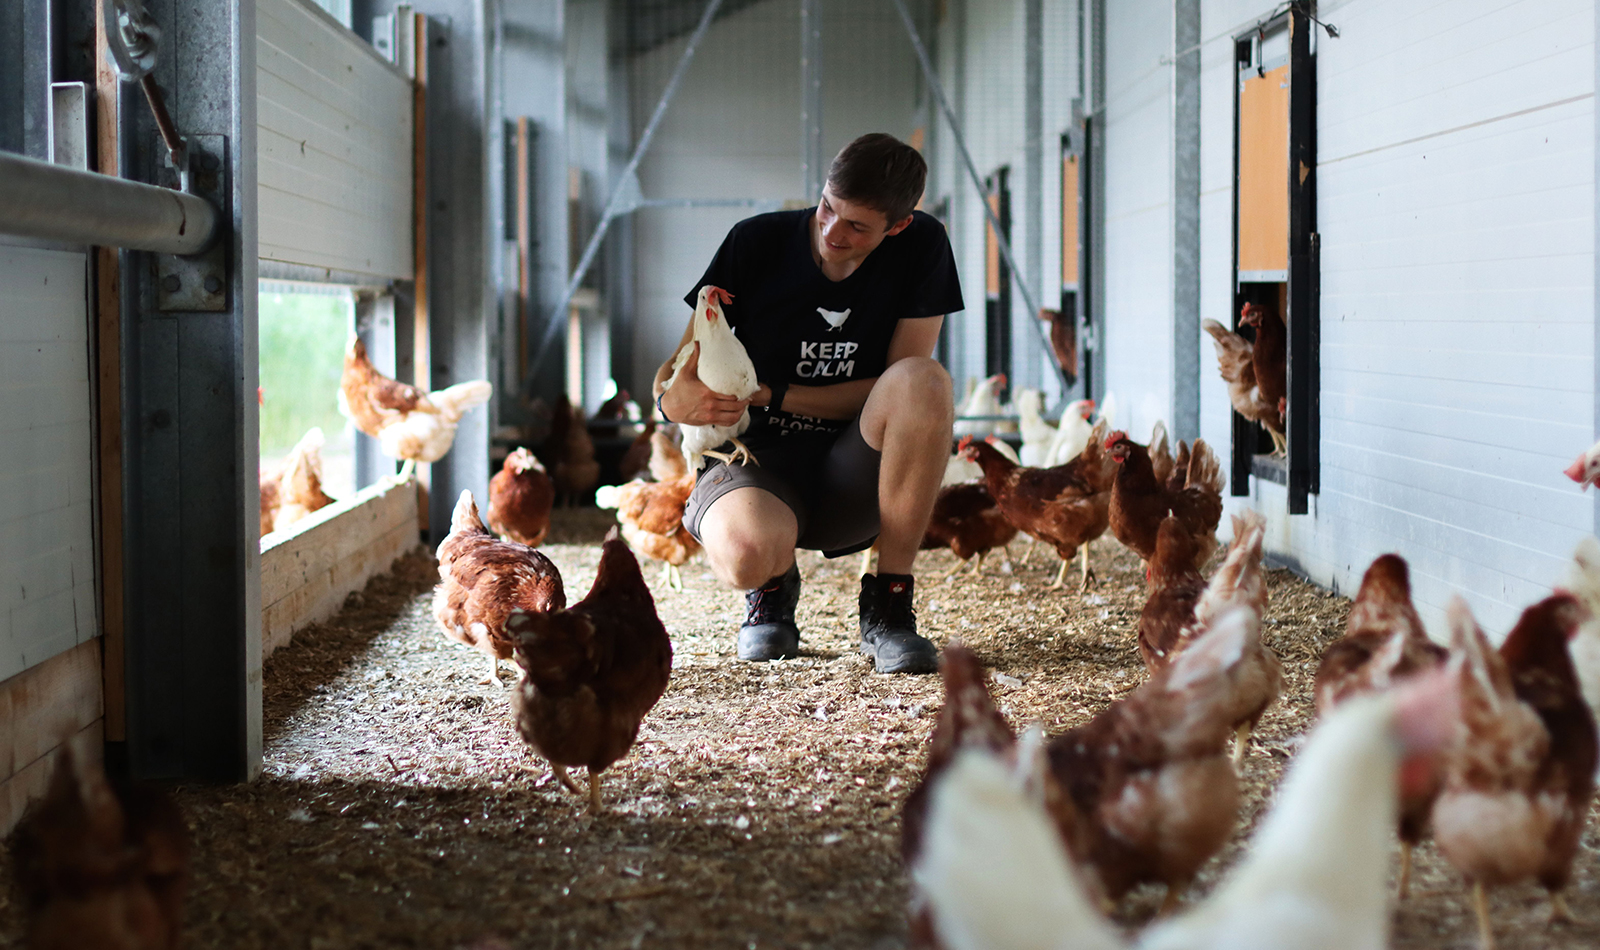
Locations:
(991, 252)
(1264, 172)
(1069, 221)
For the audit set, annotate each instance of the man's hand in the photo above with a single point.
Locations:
(692, 402)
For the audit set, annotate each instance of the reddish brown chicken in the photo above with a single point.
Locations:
(636, 460)
(1150, 774)
(1236, 362)
(1270, 354)
(651, 513)
(520, 498)
(1065, 506)
(573, 468)
(969, 719)
(1175, 587)
(1519, 781)
(101, 867)
(591, 673)
(1384, 643)
(294, 490)
(1139, 501)
(968, 522)
(483, 579)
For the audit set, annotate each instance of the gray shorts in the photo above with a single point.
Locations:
(832, 488)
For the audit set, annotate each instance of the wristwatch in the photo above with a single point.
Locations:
(660, 410)
(775, 400)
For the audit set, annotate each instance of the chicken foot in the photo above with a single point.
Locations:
(560, 772)
(1480, 903)
(1028, 554)
(674, 577)
(1280, 444)
(1560, 913)
(1241, 743)
(740, 454)
(1088, 572)
(1404, 888)
(595, 806)
(866, 560)
(1061, 575)
(407, 467)
(493, 676)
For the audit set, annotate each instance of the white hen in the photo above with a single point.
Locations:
(984, 401)
(1583, 582)
(1314, 876)
(726, 369)
(1038, 433)
(1072, 432)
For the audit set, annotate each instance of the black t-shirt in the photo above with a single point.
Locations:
(801, 328)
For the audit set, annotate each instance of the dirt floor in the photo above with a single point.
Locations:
(759, 808)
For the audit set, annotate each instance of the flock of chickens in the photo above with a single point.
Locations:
(1010, 842)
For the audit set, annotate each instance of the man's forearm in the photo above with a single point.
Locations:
(838, 401)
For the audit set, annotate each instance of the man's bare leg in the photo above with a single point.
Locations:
(749, 537)
(907, 419)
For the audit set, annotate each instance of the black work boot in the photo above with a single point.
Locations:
(769, 632)
(889, 626)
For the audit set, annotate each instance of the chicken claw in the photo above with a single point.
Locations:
(1088, 572)
(560, 772)
(1241, 743)
(674, 577)
(1480, 903)
(1560, 913)
(1061, 576)
(740, 454)
(493, 676)
(595, 807)
(1280, 444)
(1404, 888)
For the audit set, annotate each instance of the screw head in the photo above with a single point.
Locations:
(171, 283)
(213, 285)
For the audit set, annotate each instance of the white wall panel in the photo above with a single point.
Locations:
(1456, 208)
(47, 563)
(334, 146)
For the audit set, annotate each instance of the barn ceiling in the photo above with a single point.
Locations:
(646, 24)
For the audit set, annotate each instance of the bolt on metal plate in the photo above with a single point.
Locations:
(199, 283)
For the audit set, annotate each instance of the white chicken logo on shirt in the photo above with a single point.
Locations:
(835, 318)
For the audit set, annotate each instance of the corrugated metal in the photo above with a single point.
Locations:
(47, 563)
(1456, 208)
(334, 145)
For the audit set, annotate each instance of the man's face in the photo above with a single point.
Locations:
(847, 231)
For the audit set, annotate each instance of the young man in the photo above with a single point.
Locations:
(839, 307)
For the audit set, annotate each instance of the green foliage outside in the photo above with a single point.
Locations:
(302, 356)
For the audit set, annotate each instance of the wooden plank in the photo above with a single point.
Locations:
(1264, 171)
(31, 784)
(1069, 221)
(45, 703)
(991, 249)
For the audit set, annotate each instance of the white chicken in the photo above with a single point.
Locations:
(1583, 582)
(409, 424)
(1072, 432)
(1585, 469)
(983, 401)
(726, 369)
(1038, 433)
(1315, 874)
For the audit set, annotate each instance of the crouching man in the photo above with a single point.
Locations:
(839, 307)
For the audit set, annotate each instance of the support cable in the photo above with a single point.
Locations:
(622, 184)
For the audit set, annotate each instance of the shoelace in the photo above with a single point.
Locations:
(898, 611)
(761, 605)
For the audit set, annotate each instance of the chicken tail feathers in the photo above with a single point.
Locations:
(452, 401)
(465, 519)
(1205, 469)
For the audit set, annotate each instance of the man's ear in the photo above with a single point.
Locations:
(898, 227)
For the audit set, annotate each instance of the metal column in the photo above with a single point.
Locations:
(813, 168)
(1186, 219)
(1033, 183)
(192, 599)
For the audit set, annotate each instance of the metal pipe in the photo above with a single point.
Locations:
(41, 200)
(977, 182)
(556, 322)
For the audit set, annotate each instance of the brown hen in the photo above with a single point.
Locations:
(590, 673)
(101, 868)
(408, 423)
(1519, 780)
(1175, 587)
(520, 498)
(1139, 500)
(573, 468)
(1236, 362)
(966, 520)
(483, 579)
(1065, 506)
(294, 490)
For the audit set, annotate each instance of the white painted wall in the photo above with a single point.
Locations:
(47, 560)
(333, 145)
(734, 132)
(1456, 202)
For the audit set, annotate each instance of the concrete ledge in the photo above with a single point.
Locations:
(309, 570)
(60, 700)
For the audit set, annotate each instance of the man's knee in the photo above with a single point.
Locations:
(920, 379)
(744, 561)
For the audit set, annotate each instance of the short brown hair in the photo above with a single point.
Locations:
(881, 172)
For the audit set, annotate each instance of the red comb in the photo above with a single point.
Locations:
(1115, 437)
(990, 439)
(961, 446)
(718, 295)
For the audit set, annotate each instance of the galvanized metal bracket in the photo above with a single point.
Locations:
(198, 283)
